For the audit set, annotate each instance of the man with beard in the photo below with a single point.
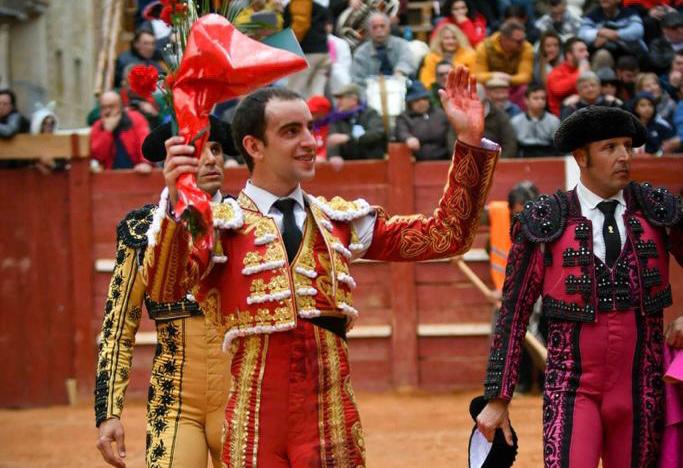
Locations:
(598, 255)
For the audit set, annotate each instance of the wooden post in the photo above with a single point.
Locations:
(404, 306)
(82, 267)
(104, 46)
(113, 37)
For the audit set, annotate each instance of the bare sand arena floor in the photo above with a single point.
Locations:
(401, 430)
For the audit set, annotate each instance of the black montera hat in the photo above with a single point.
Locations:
(595, 123)
(154, 150)
(485, 454)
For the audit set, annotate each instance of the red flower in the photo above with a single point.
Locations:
(142, 80)
(170, 9)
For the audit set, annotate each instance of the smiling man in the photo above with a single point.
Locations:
(286, 289)
(599, 256)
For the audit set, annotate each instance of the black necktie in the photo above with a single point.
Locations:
(291, 233)
(610, 232)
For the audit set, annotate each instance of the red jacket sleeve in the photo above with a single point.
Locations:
(139, 132)
(451, 229)
(101, 144)
(562, 84)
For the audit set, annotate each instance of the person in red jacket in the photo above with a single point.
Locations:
(463, 15)
(116, 137)
(562, 79)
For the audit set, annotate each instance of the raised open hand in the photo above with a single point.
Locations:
(463, 108)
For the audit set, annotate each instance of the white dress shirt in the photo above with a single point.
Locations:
(589, 209)
(264, 201)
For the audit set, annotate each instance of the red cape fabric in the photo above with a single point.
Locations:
(219, 63)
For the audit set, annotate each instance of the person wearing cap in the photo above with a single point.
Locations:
(423, 127)
(498, 93)
(664, 48)
(357, 130)
(598, 255)
(589, 94)
(286, 289)
(190, 377)
(660, 133)
(609, 83)
(649, 83)
(497, 126)
(562, 79)
(320, 109)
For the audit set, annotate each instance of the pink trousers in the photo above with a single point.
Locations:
(602, 425)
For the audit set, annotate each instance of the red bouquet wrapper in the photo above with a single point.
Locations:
(219, 63)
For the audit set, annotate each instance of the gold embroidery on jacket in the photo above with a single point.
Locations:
(243, 390)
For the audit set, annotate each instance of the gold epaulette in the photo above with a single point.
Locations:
(339, 209)
(227, 214)
(132, 230)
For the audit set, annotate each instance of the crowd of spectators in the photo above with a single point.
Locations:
(536, 62)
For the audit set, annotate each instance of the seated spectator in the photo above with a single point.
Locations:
(616, 30)
(151, 14)
(320, 109)
(561, 81)
(11, 121)
(535, 128)
(678, 125)
(356, 131)
(672, 82)
(521, 14)
(659, 132)
(449, 44)
(308, 19)
(142, 51)
(497, 126)
(663, 49)
(424, 128)
(443, 68)
(589, 94)
(627, 72)
(382, 53)
(116, 138)
(489, 10)
(559, 20)
(609, 83)
(466, 18)
(548, 56)
(666, 106)
(498, 94)
(44, 120)
(508, 56)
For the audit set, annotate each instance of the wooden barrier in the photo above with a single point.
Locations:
(422, 325)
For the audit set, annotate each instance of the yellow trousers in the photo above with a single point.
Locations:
(187, 395)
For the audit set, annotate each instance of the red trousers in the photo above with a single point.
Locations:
(602, 424)
(302, 411)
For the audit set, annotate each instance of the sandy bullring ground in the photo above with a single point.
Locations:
(401, 430)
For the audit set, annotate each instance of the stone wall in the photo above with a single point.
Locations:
(52, 56)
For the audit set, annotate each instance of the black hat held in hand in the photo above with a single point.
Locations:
(484, 454)
(154, 150)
